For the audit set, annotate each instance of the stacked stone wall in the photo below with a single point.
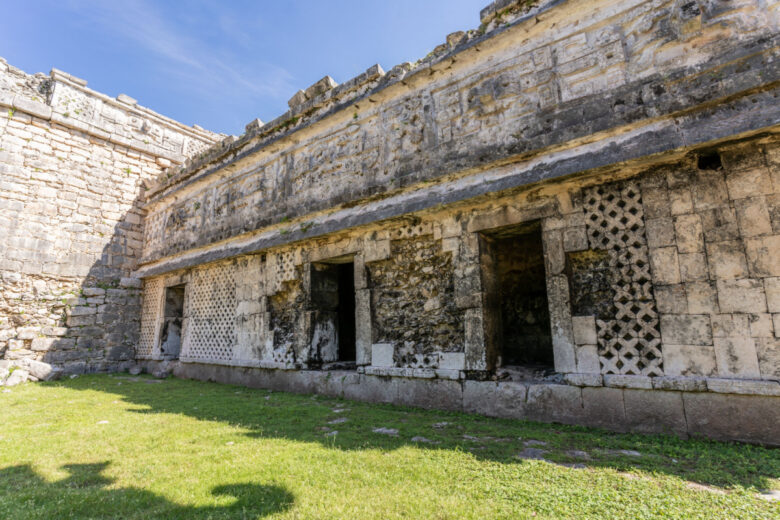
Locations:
(421, 312)
(651, 276)
(72, 167)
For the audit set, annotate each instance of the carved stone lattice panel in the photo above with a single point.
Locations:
(630, 341)
(412, 230)
(210, 310)
(284, 356)
(286, 266)
(150, 317)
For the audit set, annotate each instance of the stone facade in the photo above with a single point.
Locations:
(72, 166)
(569, 214)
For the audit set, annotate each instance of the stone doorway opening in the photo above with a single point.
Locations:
(333, 300)
(173, 317)
(516, 312)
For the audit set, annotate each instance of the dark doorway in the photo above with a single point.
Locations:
(517, 315)
(173, 315)
(346, 311)
(333, 302)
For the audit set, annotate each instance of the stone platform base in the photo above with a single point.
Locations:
(745, 418)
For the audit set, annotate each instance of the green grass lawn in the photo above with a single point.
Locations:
(133, 447)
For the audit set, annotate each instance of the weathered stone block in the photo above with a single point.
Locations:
(628, 381)
(686, 329)
(727, 260)
(680, 200)
(474, 340)
(27, 333)
(584, 328)
(720, 224)
(709, 191)
(42, 344)
(768, 351)
(130, 283)
(737, 357)
(681, 383)
(579, 379)
(665, 267)
(587, 359)
(555, 259)
(82, 310)
(575, 239)
(503, 399)
(452, 361)
(656, 202)
(382, 355)
(604, 408)
(702, 298)
(753, 217)
(660, 232)
(549, 402)
(745, 295)
(689, 233)
(761, 325)
(733, 417)
(435, 393)
(561, 324)
(772, 289)
(724, 325)
(376, 250)
(693, 267)
(747, 182)
(656, 411)
(763, 254)
(671, 299)
(689, 360)
(741, 386)
(42, 371)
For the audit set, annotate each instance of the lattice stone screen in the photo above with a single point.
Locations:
(630, 343)
(210, 314)
(150, 317)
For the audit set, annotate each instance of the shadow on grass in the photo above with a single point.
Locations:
(307, 418)
(85, 494)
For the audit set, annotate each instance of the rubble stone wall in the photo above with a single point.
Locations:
(72, 166)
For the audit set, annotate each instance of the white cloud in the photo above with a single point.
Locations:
(209, 70)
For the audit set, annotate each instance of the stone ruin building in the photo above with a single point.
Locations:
(569, 214)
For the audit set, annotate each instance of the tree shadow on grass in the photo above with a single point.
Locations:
(84, 493)
(311, 418)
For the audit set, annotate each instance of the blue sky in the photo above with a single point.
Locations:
(221, 64)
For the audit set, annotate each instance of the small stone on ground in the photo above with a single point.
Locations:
(532, 453)
(630, 453)
(386, 431)
(578, 454)
(338, 421)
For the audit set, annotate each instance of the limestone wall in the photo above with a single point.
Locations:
(72, 166)
(663, 278)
